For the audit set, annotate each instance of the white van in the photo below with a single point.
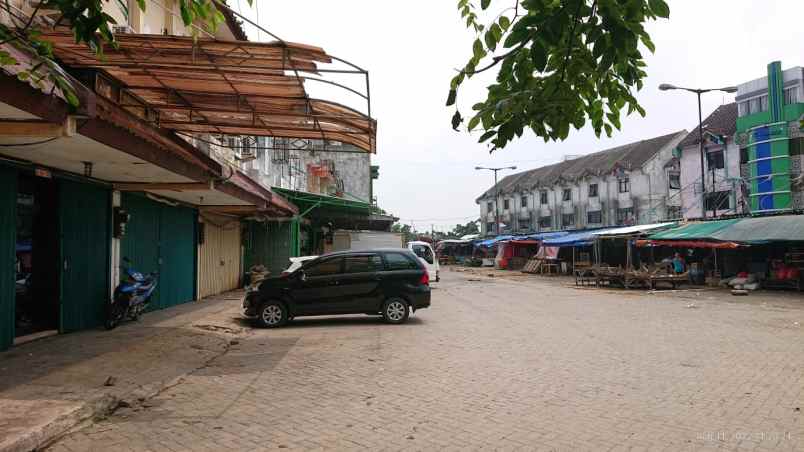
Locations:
(428, 257)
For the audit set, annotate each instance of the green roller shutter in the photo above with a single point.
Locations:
(177, 252)
(8, 240)
(160, 237)
(84, 229)
(141, 242)
(267, 244)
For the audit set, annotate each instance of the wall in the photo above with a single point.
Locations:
(725, 179)
(352, 167)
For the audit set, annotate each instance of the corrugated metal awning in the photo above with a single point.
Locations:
(201, 85)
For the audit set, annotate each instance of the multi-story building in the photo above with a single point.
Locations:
(143, 166)
(632, 184)
(722, 192)
(752, 151)
(768, 127)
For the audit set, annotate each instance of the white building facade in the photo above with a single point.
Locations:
(630, 184)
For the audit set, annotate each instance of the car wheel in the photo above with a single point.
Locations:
(272, 314)
(395, 310)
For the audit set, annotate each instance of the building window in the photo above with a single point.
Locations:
(673, 212)
(743, 109)
(567, 195)
(674, 181)
(543, 197)
(568, 220)
(593, 190)
(524, 201)
(489, 206)
(506, 204)
(624, 185)
(743, 156)
(625, 216)
(714, 160)
(796, 146)
(545, 222)
(763, 103)
(718, 200)
(791, 95)
(594, 217)
(490, 227)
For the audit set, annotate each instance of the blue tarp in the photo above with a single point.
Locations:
(577, 238)
(541, 236)
(491, 242)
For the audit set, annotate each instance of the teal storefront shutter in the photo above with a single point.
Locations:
(85, 230)
(177, 251)
(8, 246)
(140, 244)
(161, 238)
(267, 244)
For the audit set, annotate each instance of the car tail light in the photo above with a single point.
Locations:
(425, 281)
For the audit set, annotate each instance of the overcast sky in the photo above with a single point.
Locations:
(412, 48)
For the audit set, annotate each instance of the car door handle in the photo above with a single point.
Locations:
(334, 283)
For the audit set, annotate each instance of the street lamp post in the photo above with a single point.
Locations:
(698, 91)
(496, 193)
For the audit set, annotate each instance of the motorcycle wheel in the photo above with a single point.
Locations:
(116, 313)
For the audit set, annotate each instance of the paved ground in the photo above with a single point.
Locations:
(495, 364)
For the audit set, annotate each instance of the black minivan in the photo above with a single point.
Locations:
(386, 282)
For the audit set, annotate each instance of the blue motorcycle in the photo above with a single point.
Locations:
(131, 296)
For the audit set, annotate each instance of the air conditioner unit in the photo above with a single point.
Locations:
(122, 30)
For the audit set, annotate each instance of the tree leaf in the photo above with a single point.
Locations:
(538, 54)
(453, 94)
(660, 8)
(473, 122)
(456, 120)
(484, 4)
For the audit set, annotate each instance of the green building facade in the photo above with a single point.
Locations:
(768, 128)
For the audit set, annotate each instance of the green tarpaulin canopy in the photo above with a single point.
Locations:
(757, 230)
(696, 231)
(782, 228)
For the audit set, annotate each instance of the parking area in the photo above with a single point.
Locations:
(496, 363)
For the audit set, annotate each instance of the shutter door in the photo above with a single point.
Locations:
(8, 240)
(177, 252)
(161, 238)
(141, 242)
(268, 244)
(219, 259)
(85, 259)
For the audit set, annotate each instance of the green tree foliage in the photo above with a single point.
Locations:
(461, 230)
(408, 233)
(89, 24)
(560, 63)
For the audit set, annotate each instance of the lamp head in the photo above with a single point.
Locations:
(667, 87)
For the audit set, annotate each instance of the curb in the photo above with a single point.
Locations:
(42, 435)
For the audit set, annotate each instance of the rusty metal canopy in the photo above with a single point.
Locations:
(198, 85)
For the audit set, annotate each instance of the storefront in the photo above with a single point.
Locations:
(57, 227)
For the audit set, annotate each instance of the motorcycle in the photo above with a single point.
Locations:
(131, 296)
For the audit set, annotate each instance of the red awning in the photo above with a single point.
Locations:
(690, 244)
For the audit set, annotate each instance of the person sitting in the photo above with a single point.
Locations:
(678, 263)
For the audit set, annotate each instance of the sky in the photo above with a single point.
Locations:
(412, 49)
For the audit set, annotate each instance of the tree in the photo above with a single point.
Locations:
(560, 63)
(89, 25)
(467, 229)
(408, 233)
